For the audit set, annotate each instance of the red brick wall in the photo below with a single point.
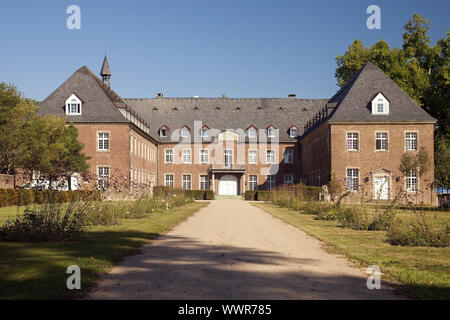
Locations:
(315, 157)
(367, 159)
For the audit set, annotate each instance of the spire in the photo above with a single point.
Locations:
(106, 72)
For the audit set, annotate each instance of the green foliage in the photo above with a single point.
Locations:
(442, 161)
(420, 69)
(201, 194)
(25, 197)
(419, 233)
(256, 195)
(415, 161)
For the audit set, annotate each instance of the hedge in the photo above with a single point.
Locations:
(259, 195)
(24, 197)
(162, 191)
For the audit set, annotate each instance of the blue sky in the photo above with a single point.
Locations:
(185, 48)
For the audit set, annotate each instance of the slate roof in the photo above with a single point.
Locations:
(106, 71)
(227, 113)
(353, 100)
(99, 102)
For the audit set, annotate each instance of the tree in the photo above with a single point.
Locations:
(442, 161)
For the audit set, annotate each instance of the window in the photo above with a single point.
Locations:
(411, 141)
(186, 181)
(103, 178)
(352, 141)
(168, 180)
(204, 133)
(186, 156)
(271, 132)
(293, 132)
(251, 133)
(352, 179)
(270, 182)
(381, 141)
(270, 156)
(288, 156)
(411, 181)
(380, 105)
(73, 105)
(288, 179)
(253, 156)
(204, 156)
(252, 182)
(204, 182)
(184, 133)
(163, 133)
(168, 156)
(103, 141)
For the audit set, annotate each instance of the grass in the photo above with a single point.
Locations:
(38, 270)
(421, 272)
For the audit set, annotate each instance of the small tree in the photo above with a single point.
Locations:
(419, 161)
(334, 186)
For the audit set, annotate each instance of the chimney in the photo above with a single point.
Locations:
(292, 95)
(159, 96)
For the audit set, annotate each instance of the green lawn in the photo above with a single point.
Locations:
(38, 270)
(420, 271)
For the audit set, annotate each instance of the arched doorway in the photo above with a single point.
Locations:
(228, 186)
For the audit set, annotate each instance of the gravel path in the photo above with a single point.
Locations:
(233, 250)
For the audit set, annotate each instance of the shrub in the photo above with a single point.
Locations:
(354, 217)
(200, 194)
(250, 195)
(48, 222)
(24, 197)
(419, 233)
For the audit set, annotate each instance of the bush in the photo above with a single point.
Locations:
(48, 222)
(419, 233)
(354, 217)
(25, 197)
(200, 194)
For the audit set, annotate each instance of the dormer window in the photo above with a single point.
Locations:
(73, 105)
(163, 131)
(293, 132)
(184, 132)
(204, 132)
(251, 132)
(270, 132)
(380, 104)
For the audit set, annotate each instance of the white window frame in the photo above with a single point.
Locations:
(168, 154)
(271, 132)
(167, 182)
(352, 177)
(102, 139)
(379, 137)
(103, 175)
(271, 182)
(252, 133)
(163, 132)
(204, 182)
(270, 156)
(291, 131)
(252, 185)
(74, 100)
(380, 100)
(204, 156)
(204, 133)
(253, 159)
(288, 155)
(411, 139)
(412, 181)
(186, 156)
(184, 182)
(184, 132)
(351, 137)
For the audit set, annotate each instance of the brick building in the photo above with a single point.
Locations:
(234, 145)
